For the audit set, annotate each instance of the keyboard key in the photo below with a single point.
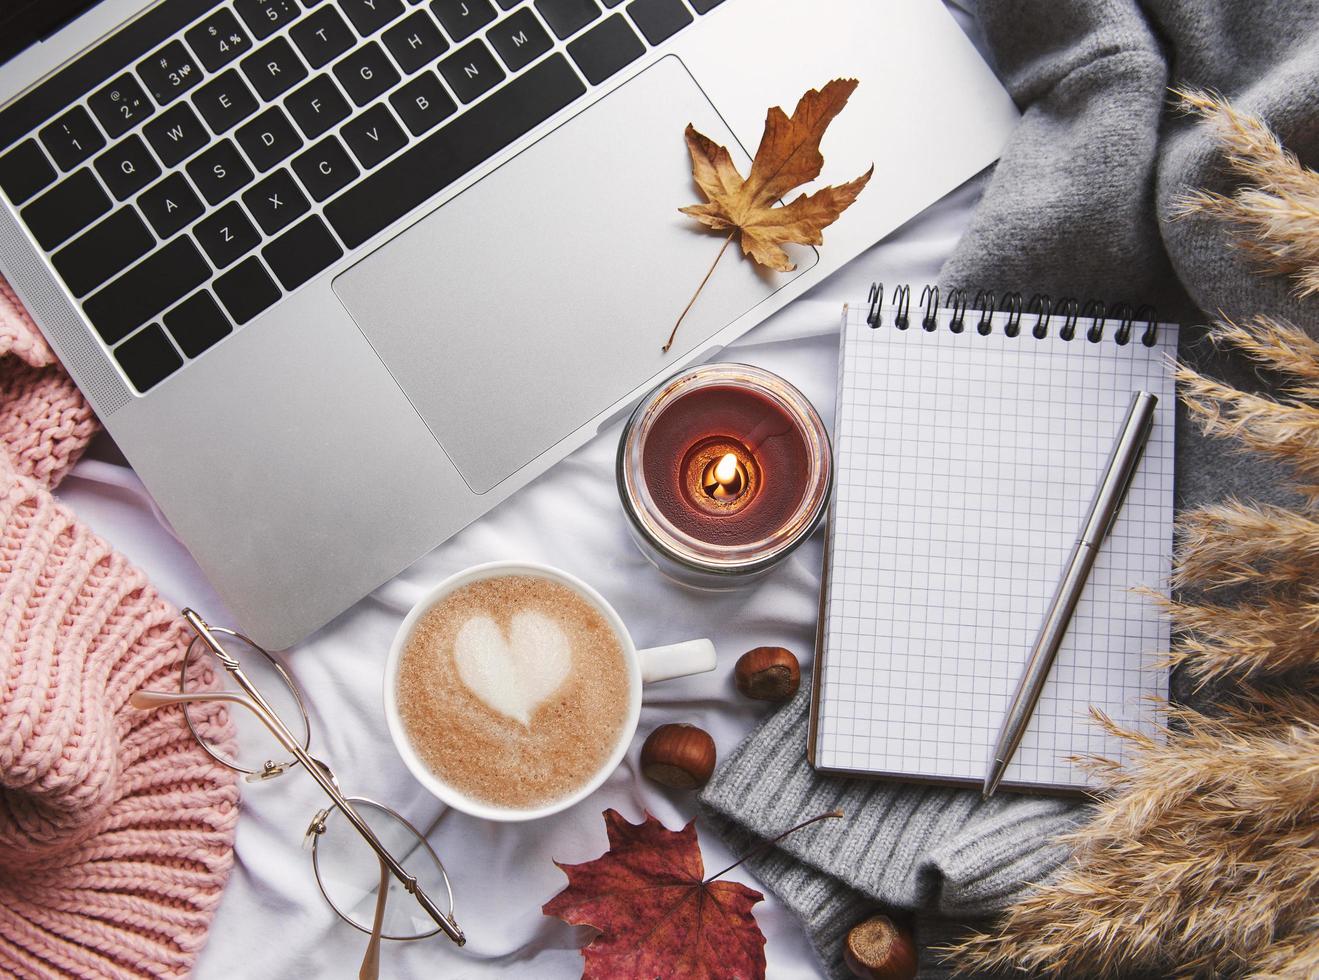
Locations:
(156, 283)
(169, 73)
(274, 69)
(301, 253)
(366, 73)
(368, 16)
(24, 170)
(269, 138)
(276, 202)
(322, 37)
(471, 71)
(219, 172)
(120, 106)
(325, 168)
(72, 138)
(131, 31)
(422, 171)
(224, 102)
(227, 235)
(103, 251)
(463, 18)
(519, 39)
(567, 17)
(218, 39)
(127, 167)
(705, 6)
(265, 17)
(659, 20)
(373, 136)
(415, 42)
(508, 4)
(605, 49)
(66, 209)
(317, 106)
(148, 358)
(176, 135)
(171, 205)
(246, 290)
(197, 323)
(422, 103)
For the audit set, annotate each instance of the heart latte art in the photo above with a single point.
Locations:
(514, 690)
(515, 674)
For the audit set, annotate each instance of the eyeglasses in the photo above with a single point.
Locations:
(364, 855)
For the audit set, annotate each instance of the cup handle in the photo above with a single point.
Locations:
(676, 660)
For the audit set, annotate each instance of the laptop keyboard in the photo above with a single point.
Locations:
(211, 157)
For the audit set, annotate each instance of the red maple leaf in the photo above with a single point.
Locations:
(658, 916)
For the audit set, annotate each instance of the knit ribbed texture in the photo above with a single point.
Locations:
(1083, 200)
(116, 828)
(935, 850)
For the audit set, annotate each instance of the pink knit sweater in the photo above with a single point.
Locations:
(116, 828)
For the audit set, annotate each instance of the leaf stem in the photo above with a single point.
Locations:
(767, 844)
(692, 301)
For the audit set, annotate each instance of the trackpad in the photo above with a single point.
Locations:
(541, 295)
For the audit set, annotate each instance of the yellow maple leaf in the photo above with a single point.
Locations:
(788, 156)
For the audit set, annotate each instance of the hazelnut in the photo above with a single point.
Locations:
(768, 674)
(880, 949)
(678, 756)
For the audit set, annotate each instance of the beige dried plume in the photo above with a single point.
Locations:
(1204, 863)
(1277, 209)
(1203, 859)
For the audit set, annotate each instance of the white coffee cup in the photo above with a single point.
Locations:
(643, 667)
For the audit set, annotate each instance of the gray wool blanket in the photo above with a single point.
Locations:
(1081, 204)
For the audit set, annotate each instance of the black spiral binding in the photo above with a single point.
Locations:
(984, 302)
(957, 303)
(902, 307)
(1069, 309)
(1039, 313)
(1011, 305)
(1041, 308)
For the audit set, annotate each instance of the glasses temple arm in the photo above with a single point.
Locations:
(257, 704)
(371, 960)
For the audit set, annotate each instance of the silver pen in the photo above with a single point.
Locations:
(1108, 498)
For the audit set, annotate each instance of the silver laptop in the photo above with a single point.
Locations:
(339, 276)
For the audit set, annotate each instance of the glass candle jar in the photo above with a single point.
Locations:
(723, 470)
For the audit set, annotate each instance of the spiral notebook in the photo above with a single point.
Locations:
(968, 441)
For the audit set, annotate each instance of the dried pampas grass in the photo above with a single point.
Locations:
(1278, 207)
(1203, 859)
(1200, 867)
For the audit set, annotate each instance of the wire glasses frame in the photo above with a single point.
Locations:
(352, 808)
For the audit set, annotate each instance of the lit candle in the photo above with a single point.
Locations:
(723, 470)
(719, 475)
(726, 479)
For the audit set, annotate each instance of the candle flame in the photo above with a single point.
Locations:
(726, 470)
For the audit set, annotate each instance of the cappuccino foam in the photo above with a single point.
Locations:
(513, 690)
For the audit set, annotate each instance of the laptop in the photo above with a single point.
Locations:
(339, 276)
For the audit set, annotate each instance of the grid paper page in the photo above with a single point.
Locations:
(965, 465)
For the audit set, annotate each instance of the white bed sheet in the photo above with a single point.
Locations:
(272, 921)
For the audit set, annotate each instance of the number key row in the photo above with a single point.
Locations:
(274, 69)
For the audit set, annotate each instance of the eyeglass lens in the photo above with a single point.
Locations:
(349, 871)
(251, 747)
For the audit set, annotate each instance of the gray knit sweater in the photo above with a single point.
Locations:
(1081, 205)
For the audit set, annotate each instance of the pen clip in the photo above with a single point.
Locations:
(1131, 476)
(1122, 499)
